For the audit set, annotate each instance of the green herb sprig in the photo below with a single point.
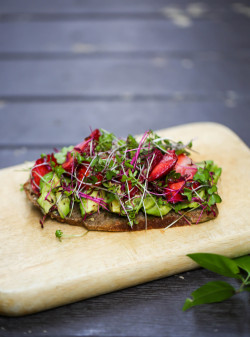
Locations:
(218, 291)
(59, 234)
(61, 156)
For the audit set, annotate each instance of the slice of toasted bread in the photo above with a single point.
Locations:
(110, 222)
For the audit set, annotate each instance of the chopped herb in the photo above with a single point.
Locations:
(59, 234)
(61, 156)
(110, 174)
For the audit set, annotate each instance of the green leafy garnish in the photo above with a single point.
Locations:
(59, 171)
(61, 156)
(59, 234)
(217, 263)
(110, 174)
(212, 292)
(131, 142)
(218, 291)
(105, 141)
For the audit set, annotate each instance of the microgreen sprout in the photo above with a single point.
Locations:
(59, 234)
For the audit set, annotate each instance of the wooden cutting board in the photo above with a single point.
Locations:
(38, 272)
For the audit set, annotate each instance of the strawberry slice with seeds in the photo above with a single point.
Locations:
(157, 154)
(83, 172)
(133, 190)
(185, 167)
(42, 166)
(80, 148)
(173, 192)
(166, 164)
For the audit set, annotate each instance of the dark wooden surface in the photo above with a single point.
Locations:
(126, 66)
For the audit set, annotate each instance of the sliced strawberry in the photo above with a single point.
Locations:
(42, 166)
(192, 185)
(95, 134)
(100, 177)
(82, 173)
(173, 192)
(166, 164)
(133, 190)
(83, 146)
(80, 148)
(185, 167)
(68, 165)
(157, 154)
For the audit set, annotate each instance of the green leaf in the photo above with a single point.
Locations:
(94, 161)
(110, 197)
(215, 198)
(244, 263)
(124, 178)
(202, 175)
(121, 142)
(105, 141)
(211, 292)
(217, 263)
(61, 156)
(212, 189)
(59, 171)
(110, 175)
(131, 142)
(59, 234)
(128, 165)
(92, 179)
(188, 193)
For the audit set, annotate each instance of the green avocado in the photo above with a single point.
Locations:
(196, 204)
(47, 199)
(87, 205)
(63, 204)
(114, 205)
(50, 179)
(148, 202)
(159, 210)
(132, 205)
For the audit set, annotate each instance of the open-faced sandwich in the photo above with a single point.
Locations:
(110, 184)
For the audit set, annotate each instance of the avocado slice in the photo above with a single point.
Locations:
(114, 205)
(159, 210)
(87, 205)
(63, 204)
(148, 202)
(194, 203)
(47, 199)
(50, 179)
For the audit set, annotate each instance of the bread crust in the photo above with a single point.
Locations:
(110, 222)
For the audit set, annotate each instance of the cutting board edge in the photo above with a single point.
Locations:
(8, 302)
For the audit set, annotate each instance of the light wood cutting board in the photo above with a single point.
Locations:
(38, 272)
